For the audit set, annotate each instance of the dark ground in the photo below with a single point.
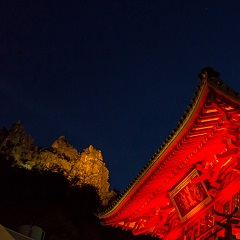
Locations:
(47, 200)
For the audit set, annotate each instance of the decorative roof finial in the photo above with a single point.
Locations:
(207, 73)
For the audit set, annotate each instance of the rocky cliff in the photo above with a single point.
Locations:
(79, 168)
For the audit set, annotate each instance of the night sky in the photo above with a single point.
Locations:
(114, 74)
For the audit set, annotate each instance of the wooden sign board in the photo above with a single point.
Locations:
(188, 198)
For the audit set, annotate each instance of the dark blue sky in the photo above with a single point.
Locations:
(114, 74)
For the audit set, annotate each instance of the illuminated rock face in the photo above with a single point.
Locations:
(79, 168)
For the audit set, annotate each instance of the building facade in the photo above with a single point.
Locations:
(190, 189)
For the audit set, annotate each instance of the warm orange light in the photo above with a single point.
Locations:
(227, 161)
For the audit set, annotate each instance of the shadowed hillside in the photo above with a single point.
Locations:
(48, 199)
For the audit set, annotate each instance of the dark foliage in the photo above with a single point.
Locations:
(46, 200)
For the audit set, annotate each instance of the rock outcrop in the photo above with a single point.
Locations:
(79, 168)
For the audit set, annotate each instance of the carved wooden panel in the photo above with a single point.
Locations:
(188, 198)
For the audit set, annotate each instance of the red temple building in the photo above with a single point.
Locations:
(190, 188)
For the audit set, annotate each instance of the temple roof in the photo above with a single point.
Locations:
(201, 130)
